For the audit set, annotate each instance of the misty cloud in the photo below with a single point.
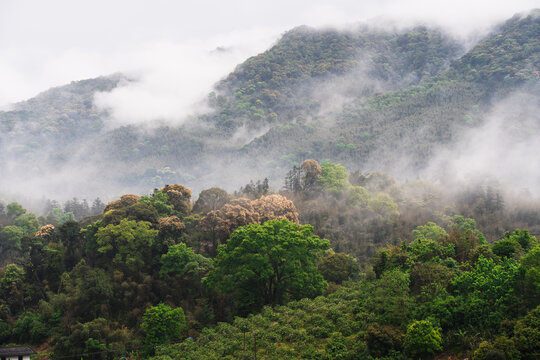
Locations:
(505, 147)
(173, 80)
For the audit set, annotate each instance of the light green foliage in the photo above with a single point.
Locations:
(422, 339)
(14, 210)
(269, 263)
(13, 275)
(524, 238)
(322, 328)
(514, 245)
(487, 292)
(430, 232)
(502, 348)
(11, 237)
(334, 177)
(28, 223)
(484, 350)
(158, 201)
(430, 243)
(383, 205)
(161, 323)
(181, 259)
(358, 196)
(128, 243)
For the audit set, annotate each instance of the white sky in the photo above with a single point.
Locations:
(50, 43)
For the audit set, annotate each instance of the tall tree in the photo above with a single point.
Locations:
(268, 264)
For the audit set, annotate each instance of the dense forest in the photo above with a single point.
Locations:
(315, 208)
(335, 265)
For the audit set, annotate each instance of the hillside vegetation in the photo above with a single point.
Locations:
(335, 266)
(367, 98)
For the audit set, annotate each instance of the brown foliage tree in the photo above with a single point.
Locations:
(170, 226)
(125, 201)
(275, 207)
(221, 223)
(311, 170)
(45, 232)
(179, 197)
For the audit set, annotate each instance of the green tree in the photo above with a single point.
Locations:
(338, 267)
(10, 238)
(422, 339)
(11, 287)
(30, 328)
(523, 237)
(389, 298)
(162, 323)
(269, 263)
(507, 248)
(530, 281)
(14, 210)
(465, 237)
(128, 244)
(28, 223)
(527, 335)
(334, 177)
(430, 232)
(158, 201)
(383, 205)
(487, 292)
(181, 259)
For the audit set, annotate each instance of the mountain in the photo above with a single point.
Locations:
(366, 97)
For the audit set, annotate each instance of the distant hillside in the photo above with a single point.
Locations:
(59, 117)
(283, 83)
(410, 122)
(368, 98)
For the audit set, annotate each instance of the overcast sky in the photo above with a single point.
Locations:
(49, 43)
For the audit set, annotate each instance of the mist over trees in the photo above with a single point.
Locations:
(384, 269)
(376, 219)
(367, 98)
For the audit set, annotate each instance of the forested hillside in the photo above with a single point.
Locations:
(369, 98)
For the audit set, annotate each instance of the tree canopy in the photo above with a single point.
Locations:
(268, 264)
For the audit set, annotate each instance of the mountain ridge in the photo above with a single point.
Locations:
(367, 99)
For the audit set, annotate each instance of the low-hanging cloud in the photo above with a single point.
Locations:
(505, 147)
(171, 81)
